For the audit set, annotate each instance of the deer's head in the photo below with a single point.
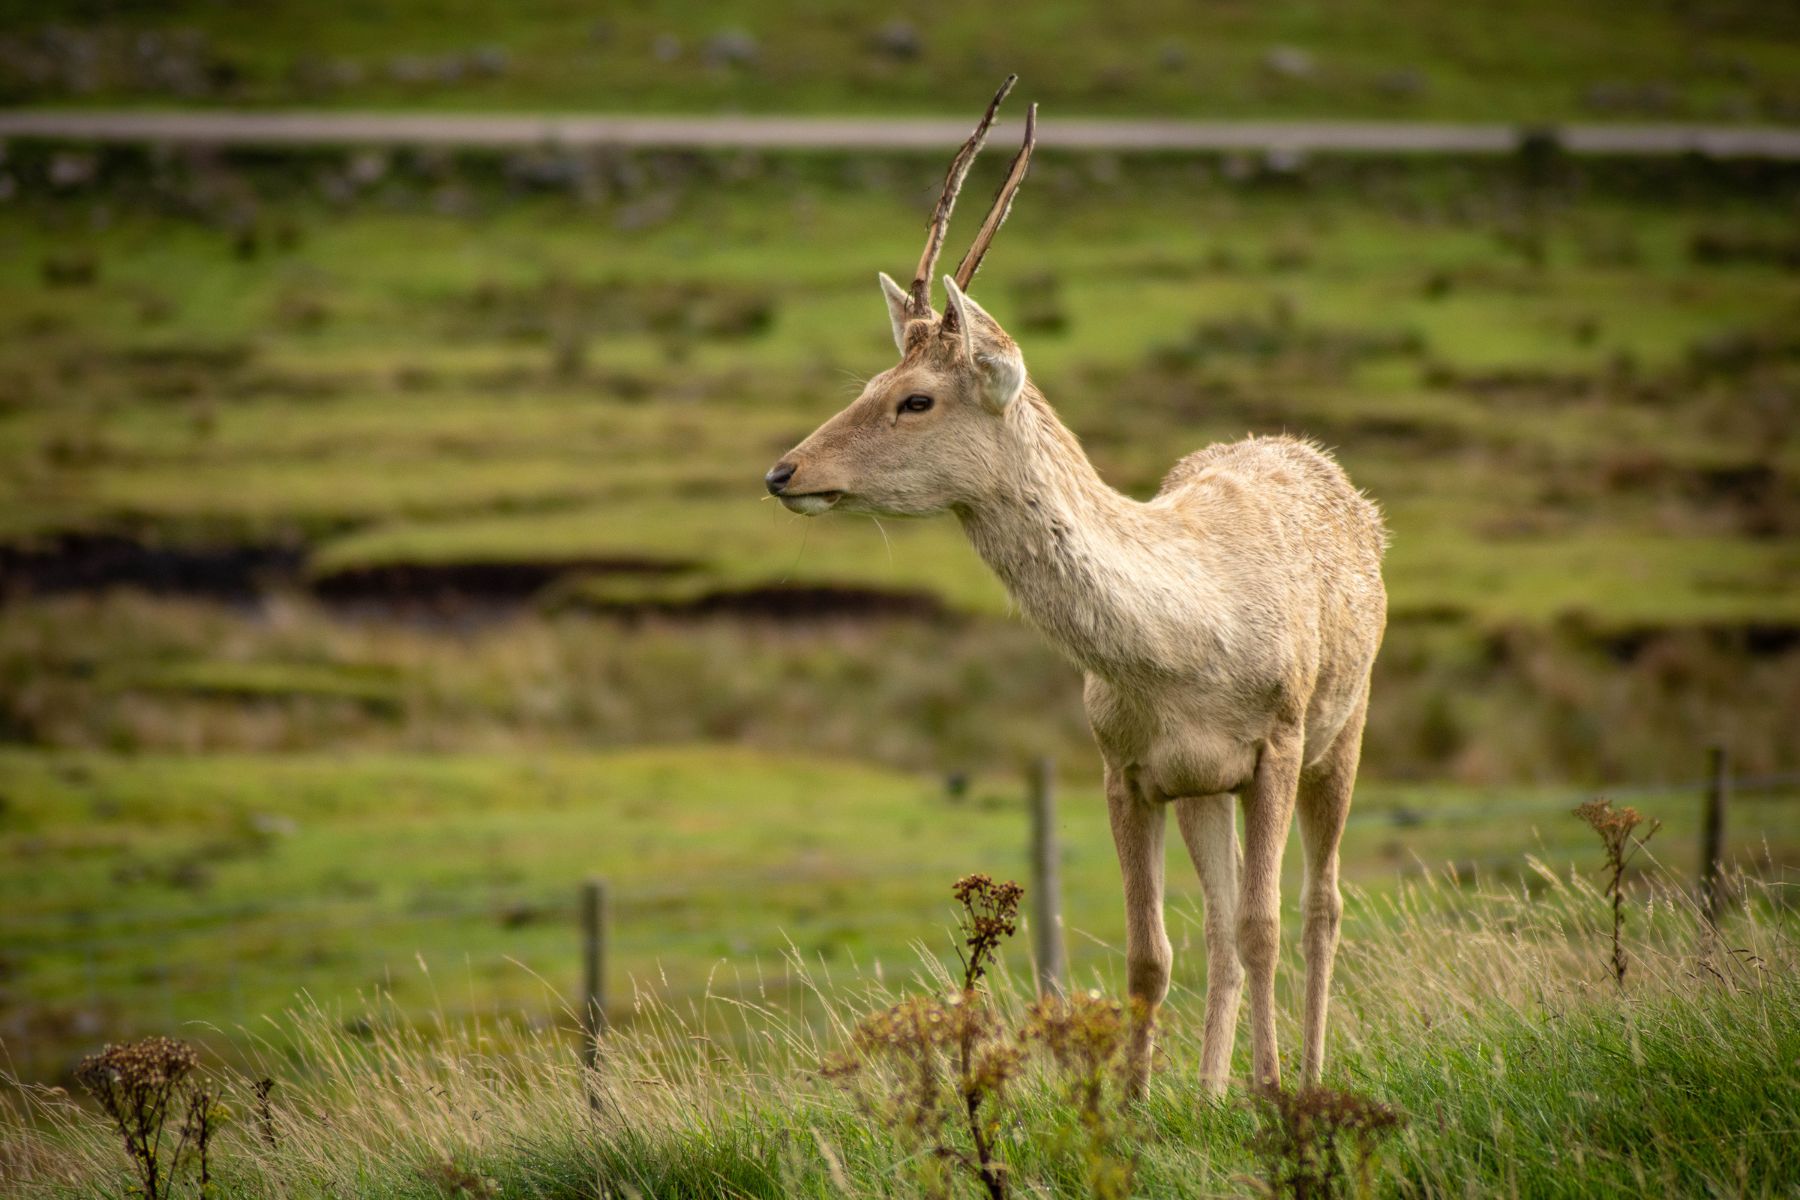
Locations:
(928, 433)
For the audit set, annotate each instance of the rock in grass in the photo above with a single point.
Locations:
(731, 48)
(1289, 62)
(898, 39)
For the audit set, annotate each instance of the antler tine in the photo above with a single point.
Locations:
(1015, 175)
(919, 297)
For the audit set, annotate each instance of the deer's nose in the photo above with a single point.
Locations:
(778, 477)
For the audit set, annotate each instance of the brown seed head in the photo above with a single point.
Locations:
(148, 1065)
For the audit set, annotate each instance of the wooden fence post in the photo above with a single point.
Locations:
(593, 953)
(1712, 832)
(1046, 921)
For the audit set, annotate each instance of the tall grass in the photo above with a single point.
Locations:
(1484, 1014)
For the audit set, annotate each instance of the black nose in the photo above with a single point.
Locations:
(778, 477)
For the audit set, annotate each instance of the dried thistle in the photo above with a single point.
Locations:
(1319, 1143)
(456, 1181)
(990, 915)
(1085, 1037)
(947, 1061)
(265, 1112)
(138, 1086)
(1615, 827)
(947, 1064)
(198, 1124)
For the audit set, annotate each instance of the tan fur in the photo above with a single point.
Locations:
(1226, 628)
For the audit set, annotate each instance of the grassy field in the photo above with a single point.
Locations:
(1574, 398)
(382, 553)
(1603, 59)
(1484, 1016)
(539, 382)
(198, 892)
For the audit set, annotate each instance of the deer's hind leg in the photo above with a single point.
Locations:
(1324, 805)
(1209, 827)
(1268, 812)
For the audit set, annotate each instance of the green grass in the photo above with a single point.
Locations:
(417, 416)
(1538, 61)
(1479, 1014)
(247, 682)
(160, 891)
(1579, 424)
(1585, 450)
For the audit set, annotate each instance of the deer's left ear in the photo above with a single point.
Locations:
(998, 366)
(898, 312)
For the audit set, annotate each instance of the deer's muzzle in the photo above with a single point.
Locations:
(809, 504)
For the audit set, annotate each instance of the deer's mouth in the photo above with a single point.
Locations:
(811, 504)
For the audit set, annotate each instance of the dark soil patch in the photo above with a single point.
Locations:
(1396, 434)
(1712, 247)
(92, 562)
(559, 307)
(1752, 639)
(453, 586)
(1510, 384)
(1630, 644)
(809, 603)
(1755, 497)
(1280, 337)
(241, 573)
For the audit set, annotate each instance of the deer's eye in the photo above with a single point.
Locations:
(915, 404)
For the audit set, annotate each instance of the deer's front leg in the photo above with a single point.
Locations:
(1209, 826)
(1137, 826)
(1268, 811)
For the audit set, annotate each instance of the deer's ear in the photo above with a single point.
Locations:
(898, 313)
(1002, 375)
(998, 367)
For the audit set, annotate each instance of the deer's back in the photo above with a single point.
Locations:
(1287, 488)
(1296, 550)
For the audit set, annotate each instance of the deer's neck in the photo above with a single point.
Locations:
(1078, 557)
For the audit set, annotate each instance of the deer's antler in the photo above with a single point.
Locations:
(919, 295)
(1015, 175)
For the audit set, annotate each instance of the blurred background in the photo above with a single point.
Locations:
(382, 545)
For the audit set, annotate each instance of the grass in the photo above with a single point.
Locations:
(338, 842)
(1576, 415)
(154, 892)
(1484, 1016)
(1543, 62)
(417, 417)
(1583, 448)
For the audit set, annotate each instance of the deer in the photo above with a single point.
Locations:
(1226, 628)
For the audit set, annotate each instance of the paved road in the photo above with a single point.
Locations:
(857, 133)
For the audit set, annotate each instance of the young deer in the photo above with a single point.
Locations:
(1226, 627)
